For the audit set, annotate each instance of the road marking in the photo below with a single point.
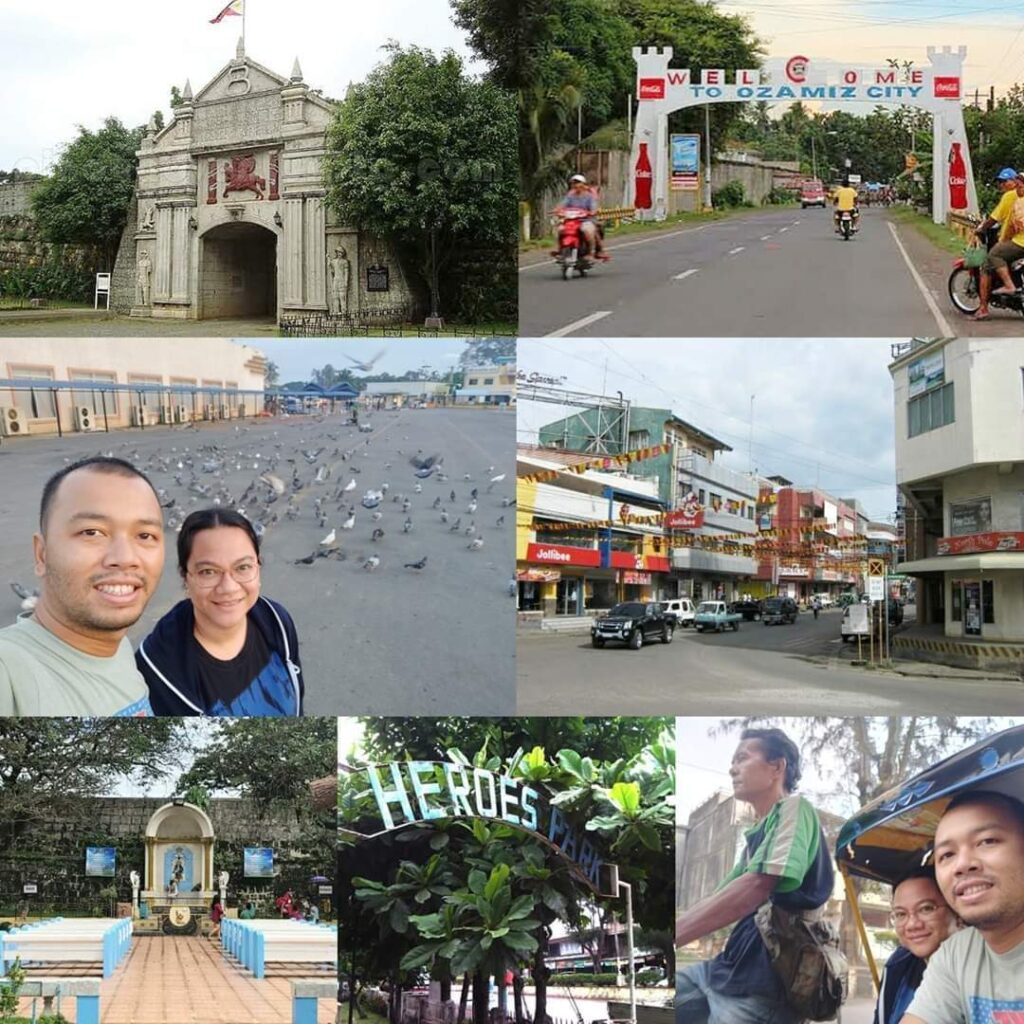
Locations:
(795, 223)
(783, 229)
(945, 331)
(764, 238)
(686, 273)
(577, 324)
(739, 248)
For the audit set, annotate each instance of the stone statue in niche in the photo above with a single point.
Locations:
(240, 176)
(340, 271)
(147, 219)
(143, 272)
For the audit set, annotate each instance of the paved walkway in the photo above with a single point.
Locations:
(186, 980)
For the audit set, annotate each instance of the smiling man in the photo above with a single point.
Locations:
(785, 861)
(99, 554)
(975, 977)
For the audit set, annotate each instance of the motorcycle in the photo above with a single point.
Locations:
(846, 224)
(573, 252)
(965, 282)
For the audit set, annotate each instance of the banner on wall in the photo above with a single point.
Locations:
(684, 152)
(100, 861)
(258, 861)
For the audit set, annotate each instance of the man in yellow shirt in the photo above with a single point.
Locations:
(844, 199)
(1010, 246)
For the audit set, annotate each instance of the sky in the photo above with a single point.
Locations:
(296, 358)
(822, 412)
(870, 31)
(65, 63)
(704, 751)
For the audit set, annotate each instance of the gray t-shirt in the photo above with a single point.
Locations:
(42, 675)
(966, 983)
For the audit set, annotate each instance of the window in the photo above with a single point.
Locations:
(150, 400)
(472, 381)
(931, 410)
(988, 611)
(716, 500)
(181, 392)
(700, 495)
(639, 438)
(98, 401)
(488, 380)
(35, 404)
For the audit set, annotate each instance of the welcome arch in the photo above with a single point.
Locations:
(936, 88)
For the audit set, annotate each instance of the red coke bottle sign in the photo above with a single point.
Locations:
(643, 179)
(957, 179)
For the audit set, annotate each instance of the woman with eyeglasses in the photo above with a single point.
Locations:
(922, 921)
(225, 649)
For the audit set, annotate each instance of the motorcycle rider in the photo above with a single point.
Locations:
(844, 200)
(1010, 246)
(582, 197)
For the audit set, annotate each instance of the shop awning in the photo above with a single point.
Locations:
(960, 563)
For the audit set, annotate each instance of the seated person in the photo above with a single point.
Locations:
(922, 921)
(582, 197)
(844, 199)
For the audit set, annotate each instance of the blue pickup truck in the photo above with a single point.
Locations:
(716, 615)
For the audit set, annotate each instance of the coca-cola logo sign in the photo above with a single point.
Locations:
(652, 89)
(947, 87)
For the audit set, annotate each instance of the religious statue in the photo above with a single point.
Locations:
(147, 219)
(143, 271)
(340, 270)
(178, 866)
(222, 879)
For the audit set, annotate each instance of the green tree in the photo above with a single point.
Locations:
(423, 154)
(271, 375)
(86, 198)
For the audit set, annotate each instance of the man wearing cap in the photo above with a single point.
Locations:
(581, 197)
(1010, 246)
(975, 976)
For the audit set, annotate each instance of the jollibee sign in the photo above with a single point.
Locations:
(935, 86)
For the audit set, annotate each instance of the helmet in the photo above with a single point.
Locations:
(1006, 174)
(579, 177)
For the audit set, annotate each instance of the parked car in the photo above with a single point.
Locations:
(779, 611)
(634, 623)
(681, 609)
(812, 193)
(750, 610)
(715, 615)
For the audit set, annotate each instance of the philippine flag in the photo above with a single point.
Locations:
(233, 8)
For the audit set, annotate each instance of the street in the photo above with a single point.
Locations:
(767, 273)
(392, 641)
(804, 668)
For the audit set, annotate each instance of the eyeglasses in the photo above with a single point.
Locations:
(208, 577)
(923, 912)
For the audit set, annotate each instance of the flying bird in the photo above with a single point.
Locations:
(367, 366)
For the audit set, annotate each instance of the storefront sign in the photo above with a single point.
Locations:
(926, 373)
(970, 517)
(538, 575)
(980, 542)
(793, 570)
(636, 579)
(689, 515)
(685, 156)
(556, 554)
(384, 797)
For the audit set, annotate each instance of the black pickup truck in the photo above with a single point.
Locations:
(633, 623)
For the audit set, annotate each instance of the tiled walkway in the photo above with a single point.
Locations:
(186, 980)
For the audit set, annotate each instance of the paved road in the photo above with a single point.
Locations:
(803, 668)
(389, 642)
(773, 273)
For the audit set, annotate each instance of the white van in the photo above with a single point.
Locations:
(682, 608)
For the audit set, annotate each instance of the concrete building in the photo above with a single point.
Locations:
(712, 547)
(230, 219)
(49, 384)
(960, 471)
(402, 392)
(490, 384)
(584, 540)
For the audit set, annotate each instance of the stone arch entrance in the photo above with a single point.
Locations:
(237, 271)
(179, 845)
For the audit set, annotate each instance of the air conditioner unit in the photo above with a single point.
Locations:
(166, 414)
(138, 416)
(181, 414)
(84, 419)
(12, 422)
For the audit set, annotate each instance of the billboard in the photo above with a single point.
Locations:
(926, 373)
(969, 517)
(684, 151)
(258, 861)
(100, 861)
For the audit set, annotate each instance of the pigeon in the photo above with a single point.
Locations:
(500, 521)
(437, 502)
(451, 497)
(29, 598)
(471, 507)
(407, 525)
(371, 563)
(475, 544)
(497, 479)
(308, 560)
(470, 530)
(456, 526)
(444, 515)
(426, 466)
(351, 485)
(275, 482)
(377, 516)
(418, 489)
(329, 540)
(377, 534)
(417, 565)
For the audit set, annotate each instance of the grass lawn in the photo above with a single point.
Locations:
(9, 302)
(676, 221)
(937, 234)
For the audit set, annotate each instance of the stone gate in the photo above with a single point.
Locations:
(229, 217)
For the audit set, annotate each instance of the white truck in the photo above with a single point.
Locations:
(856, 622)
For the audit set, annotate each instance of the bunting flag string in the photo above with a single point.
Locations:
(600, 462)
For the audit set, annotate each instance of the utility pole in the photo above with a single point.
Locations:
(707, 155)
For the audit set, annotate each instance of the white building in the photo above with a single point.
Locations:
(119, 382)
(493, 384)
(960, 468)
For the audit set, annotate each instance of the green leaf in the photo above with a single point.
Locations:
(477, 881)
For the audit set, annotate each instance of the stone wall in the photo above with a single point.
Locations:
(122, 281)
(15, 198)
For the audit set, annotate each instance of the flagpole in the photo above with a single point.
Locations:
(244, 6)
